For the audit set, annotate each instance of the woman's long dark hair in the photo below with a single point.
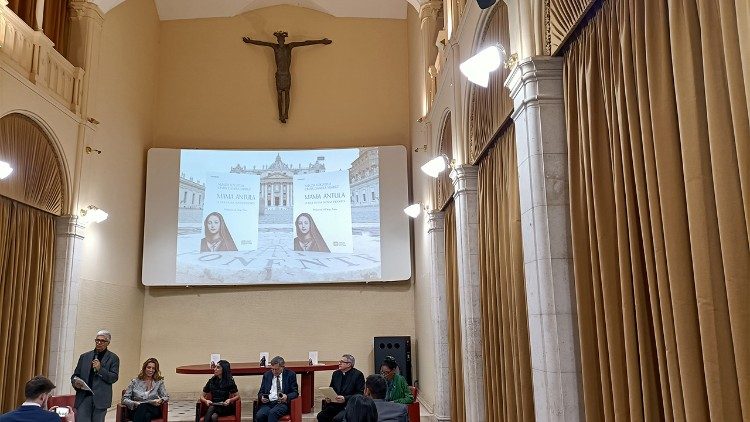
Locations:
(315, 235)
(226, 373)
(361, 409)
(226, 237)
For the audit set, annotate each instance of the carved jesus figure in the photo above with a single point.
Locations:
(283, 55)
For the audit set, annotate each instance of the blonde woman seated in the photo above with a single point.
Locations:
(146, 393)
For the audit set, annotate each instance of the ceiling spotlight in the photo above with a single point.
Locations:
(437, 165)
(93, 214)
(413, 210)
(5, 169)
(477, 68)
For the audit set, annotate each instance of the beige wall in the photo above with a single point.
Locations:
(111, 292)
(215, 91)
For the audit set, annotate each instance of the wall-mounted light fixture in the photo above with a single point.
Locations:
(477, 68)
(437, 165)
(93, 214)
(90, 150)
(5, 169)
(413, 210)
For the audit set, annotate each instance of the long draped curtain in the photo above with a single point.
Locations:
(507, 358)
(24, 9)
(55, 23)
(27, 238)
(455, 358)
(659, 150)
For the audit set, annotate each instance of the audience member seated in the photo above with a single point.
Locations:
(346, 382)
(146, 393)
(34, 409)
(375, 388)
(220, 393)
(360, 408)
(398, 389)
(277, 389)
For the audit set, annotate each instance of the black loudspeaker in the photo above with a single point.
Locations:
(400, 348)
(483, 4)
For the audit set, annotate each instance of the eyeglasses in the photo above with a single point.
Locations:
(345, 361)
(101, 340)
(385, 372)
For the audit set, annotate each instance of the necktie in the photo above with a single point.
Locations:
(278, 387)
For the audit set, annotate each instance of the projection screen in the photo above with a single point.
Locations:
(241, 217)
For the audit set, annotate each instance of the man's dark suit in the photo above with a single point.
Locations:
(272, 411)
(101, 385)
(30, 414)
(344, 384)
(391, 412)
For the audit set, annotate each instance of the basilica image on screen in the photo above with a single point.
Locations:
(262, 217)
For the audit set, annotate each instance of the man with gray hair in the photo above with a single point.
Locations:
(277, 389)
(97, 370)
(346, 382)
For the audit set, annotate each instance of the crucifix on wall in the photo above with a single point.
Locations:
(283, 54)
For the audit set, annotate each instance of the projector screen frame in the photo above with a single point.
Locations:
(161, 214)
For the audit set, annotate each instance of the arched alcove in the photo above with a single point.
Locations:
(38, 177)
(32, 198)
(490, 107)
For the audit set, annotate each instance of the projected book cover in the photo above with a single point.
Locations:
(258, 217)
(230, 212)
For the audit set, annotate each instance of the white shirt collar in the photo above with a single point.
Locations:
(31, 403)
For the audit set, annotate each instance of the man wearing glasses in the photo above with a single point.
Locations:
(93, 377)
(346, 382)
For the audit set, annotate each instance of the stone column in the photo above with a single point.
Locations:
(86, 21)
(439, 314)
(69, 236)
(536, 87)
(464, 179)
(39, 13)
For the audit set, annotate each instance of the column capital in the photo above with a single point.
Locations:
(69, 226)
(528, 82)
(80, 9)
(435, 221)
(430, 9)
(464, 178)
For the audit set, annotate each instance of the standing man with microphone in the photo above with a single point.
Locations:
(98, 369)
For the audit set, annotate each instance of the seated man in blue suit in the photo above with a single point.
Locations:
(375, 388)
(278, 388)
(34, 409)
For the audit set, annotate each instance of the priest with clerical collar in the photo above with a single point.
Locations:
(346, 382)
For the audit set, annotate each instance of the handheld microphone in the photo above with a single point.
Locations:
(96, 371)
